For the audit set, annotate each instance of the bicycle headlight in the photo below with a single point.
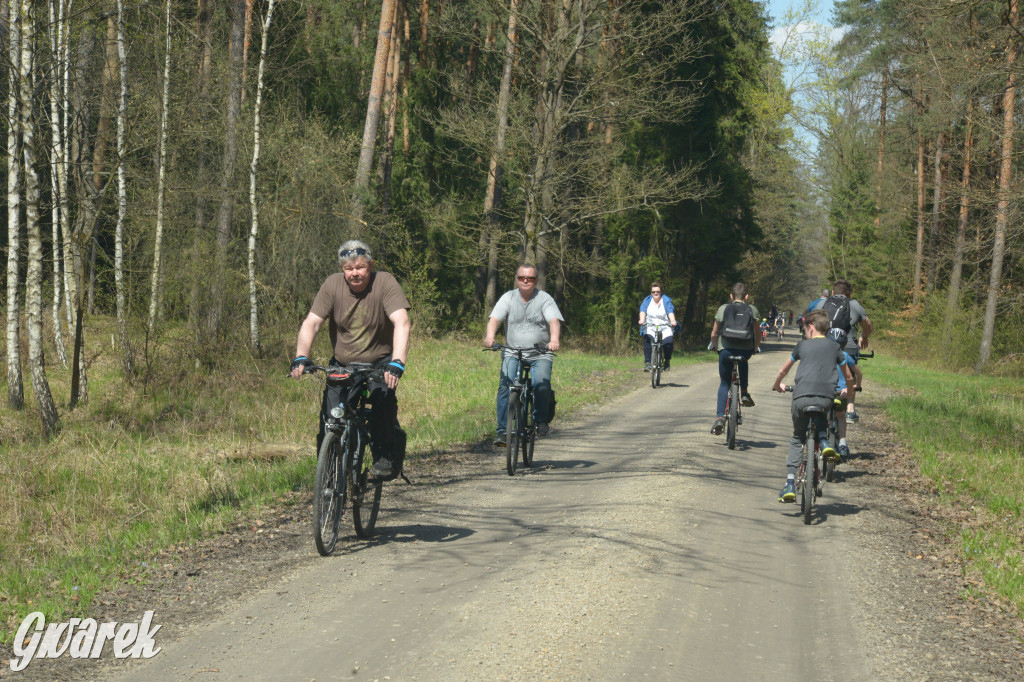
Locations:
(338, 412)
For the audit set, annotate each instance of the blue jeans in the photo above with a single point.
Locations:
(540, 377)
(666, 346)
(725, 374)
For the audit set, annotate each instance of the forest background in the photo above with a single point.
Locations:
(187, 169)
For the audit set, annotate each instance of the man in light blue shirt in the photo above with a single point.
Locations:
(532, 318)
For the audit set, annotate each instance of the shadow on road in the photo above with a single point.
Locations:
(414, 532)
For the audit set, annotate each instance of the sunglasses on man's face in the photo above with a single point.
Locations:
(655, 292)
(354, 252)
(523, 278)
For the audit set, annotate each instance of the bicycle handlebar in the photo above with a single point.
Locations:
(536, 347)
(366, 370)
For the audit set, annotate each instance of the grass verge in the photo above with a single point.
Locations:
(185, 453)
(965, 432)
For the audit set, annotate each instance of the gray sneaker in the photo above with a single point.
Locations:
(499, 439)
(542, 429)
(381, 468)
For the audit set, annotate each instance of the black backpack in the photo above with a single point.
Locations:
(838, 310)
(738, 322)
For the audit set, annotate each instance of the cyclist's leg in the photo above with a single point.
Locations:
(387, 440)
(647, 350)
(725, 375)
(667, 345)
(858, 377)
(506, 377)
(540, 377)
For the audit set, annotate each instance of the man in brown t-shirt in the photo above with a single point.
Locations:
(369, 322)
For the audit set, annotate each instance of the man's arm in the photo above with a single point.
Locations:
(555, 326)
(399, 343)
(714, 334)
(492, 329)
(865, 332)
(307, 332)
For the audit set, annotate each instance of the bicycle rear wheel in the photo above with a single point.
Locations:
(329, 492)
(365, 497)
(807, 496)
(529, 431)
(733, 414)
(512, 429)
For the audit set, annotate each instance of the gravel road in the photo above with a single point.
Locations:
(638, 547)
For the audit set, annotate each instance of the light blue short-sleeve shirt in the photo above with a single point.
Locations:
(526, 322)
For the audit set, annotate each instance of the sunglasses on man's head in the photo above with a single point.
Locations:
(526, 278)
(354, 252)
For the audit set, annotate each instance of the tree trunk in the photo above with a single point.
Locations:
(204, 31)
(1002, 208)
(34, 275)
(953, 299)
(127, 361)
(254, 330)
(246, 41)
(919, 256)
(373, 105)
(158, 234)
(406, 71)
(933, 238)
(56, 174)
(421, 56)
(391, 107)
(15, 387)
(227, 194)
(492, 199)
(881, 146)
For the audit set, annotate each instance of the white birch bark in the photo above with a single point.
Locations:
(34, 274)
(127, 363)
(64, 46)
(56, 171)
(254, 331)
(154, 289)
(15, 389)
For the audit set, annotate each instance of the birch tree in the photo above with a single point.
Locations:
(34, 273)
(127, 362)
(57, 185)
(15, 389)
(254, 331)
(158, 232)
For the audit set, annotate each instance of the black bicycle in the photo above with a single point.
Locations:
(657, 357)
(810, 475)
(342, 466)
(520, 426)
(733, 404)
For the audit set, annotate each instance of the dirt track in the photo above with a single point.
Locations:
(639, 547)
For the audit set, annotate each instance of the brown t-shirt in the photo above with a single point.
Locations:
(361, 329)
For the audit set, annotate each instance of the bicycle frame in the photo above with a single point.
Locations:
(520, 399)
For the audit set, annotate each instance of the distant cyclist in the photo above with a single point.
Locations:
(658, 313)
(734, 335)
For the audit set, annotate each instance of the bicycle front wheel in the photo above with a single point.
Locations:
(328, 493)
(655, 366)
(365, 497)
(733, 420)
(529, 431)
(512, 433)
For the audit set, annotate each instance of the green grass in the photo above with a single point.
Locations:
(144, 466)
(966, 433)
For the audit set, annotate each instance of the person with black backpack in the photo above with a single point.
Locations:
(850, 327)
(734, 334)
